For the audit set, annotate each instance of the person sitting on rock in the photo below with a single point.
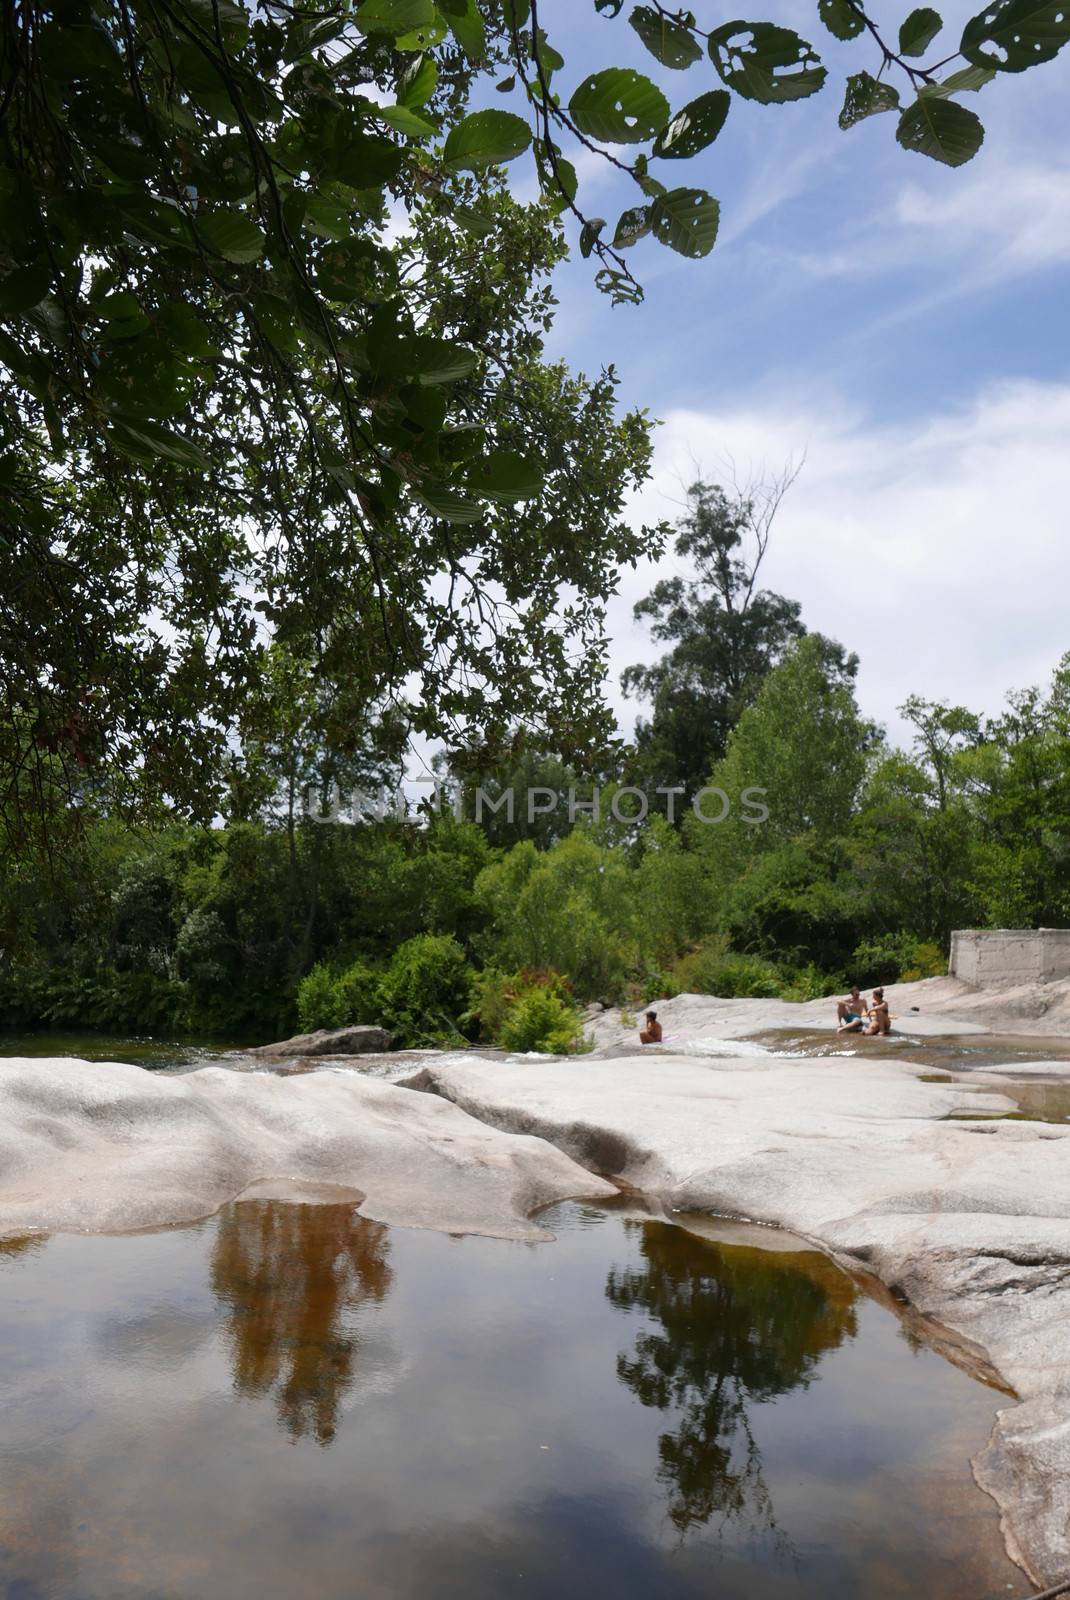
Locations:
(851, 1012)
(880, 1018)
(651, 1034)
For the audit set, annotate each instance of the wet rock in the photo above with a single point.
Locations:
(328, 1042)
(99, 1147)
(967, 1220)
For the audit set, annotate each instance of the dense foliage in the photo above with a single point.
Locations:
(869, 857)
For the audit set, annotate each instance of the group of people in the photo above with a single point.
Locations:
(853, 1015)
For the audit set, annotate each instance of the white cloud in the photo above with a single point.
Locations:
(935, 548)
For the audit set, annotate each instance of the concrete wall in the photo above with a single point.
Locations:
(992, 957)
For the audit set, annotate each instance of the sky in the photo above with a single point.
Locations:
(900, 325)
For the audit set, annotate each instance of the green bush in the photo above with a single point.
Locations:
(897, 958)
(329, 998)
(540, 1019)
(528, 1010)
(712, 968)
(426, 991)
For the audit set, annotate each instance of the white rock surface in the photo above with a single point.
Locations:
(944, 1006)
(969, 1220)
(102, 1147)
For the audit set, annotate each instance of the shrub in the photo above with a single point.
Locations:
(897, 958)
(426, 990)
(328, 998)
(712, 968)
(540, 1019)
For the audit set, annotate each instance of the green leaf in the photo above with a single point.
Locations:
(763, 62)
(24, 288)
(506, 477)
(156, 221)
(472, 221)
(632, 225)
(467, 26)
(231, 235)
(866, 96)
(619, 106)
(418, 82)
(147, 442)
(407, 122)
(666, 40)
(841, 18)
(444, 501)
(484, 139)
(123, 315)
(966, 78)
(425, 38)
(395, 16)
(695, 127)
(433, 361)
(589, 234)
(686, 220)
(941, 129)
(919, 31)
(1012, 35)
(186, 331)
(70, 51)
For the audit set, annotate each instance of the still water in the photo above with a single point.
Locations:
(291, 1400)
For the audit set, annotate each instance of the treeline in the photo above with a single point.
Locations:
(448, 930)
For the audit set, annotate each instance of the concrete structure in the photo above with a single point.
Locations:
(989, 958)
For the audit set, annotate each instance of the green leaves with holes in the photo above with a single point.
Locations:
(843, 20)
(619, 106)
(505, 477)
(1012, 35)
(231, 235)
(941, 129)
(484, 139)
(763, 62)
(632, 225)
(919, 30)
(395, 17)
(866, 96)
(695, 127)
(671, 44)
(686, 220)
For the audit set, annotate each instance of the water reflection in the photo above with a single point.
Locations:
(290, 1278)
(728, 1330)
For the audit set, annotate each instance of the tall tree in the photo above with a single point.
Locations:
(725, 633)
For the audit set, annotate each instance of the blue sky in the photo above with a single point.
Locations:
(901, 323)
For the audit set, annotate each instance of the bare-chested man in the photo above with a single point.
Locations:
(850, 1012)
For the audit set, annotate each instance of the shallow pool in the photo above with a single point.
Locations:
(290, 1400)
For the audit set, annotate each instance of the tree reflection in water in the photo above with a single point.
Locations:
(290, 1276)
(731, 1328)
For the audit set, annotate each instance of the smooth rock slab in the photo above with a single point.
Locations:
(969, 1221)
(328, 1042)
(100, 1147)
